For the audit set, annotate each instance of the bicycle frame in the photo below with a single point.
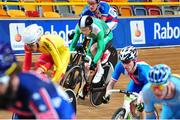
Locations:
(82, 66)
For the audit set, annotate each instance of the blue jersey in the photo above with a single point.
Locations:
(138, 79)
(170, 107)
(40, 99)
(103, 10)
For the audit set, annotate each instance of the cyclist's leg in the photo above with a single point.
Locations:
(65, 57)
(100, 70)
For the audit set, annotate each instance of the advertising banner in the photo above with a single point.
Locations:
(139, 32)
(147, 32)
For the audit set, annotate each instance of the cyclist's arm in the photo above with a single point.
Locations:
(148, 102)
(109, 37)
(105, 11)
(75, 38)
(86, 11)
(41, 105)
(52, 49)
(115, 76)
(100, 46)
(89, 49)
(110, 86)
(27, 59)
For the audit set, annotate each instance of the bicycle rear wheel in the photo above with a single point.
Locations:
(119, 114)
(73, 79)
(96, 96)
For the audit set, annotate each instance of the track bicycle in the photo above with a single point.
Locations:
(76, 78)
(129, 109)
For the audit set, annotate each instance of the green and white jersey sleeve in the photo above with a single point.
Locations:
(75, 38)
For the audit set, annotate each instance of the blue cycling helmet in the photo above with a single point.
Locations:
(159, 74)
(8, 62)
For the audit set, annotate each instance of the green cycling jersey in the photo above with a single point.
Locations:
(100, 33)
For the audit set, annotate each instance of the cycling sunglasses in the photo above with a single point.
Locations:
(31, 44)
(125, 61)
(158, 87)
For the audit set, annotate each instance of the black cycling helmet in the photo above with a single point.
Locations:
(85, 21)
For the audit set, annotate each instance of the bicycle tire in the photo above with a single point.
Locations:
(96, 97)
(72, 98)
(113, 58)
(72, 78)
(119, 114)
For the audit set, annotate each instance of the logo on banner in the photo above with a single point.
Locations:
(137, 32)
(15, 30)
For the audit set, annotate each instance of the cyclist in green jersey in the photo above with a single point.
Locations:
(100, 37)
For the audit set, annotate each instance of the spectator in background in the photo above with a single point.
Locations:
(101, 10)
(27, 95)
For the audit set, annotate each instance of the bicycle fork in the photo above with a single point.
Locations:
(83, 83)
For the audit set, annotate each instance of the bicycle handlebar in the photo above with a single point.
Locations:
(84, 55)
(123, 91)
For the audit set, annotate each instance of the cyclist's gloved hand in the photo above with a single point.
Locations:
(105, 99)
(140, 107)
(92, 66)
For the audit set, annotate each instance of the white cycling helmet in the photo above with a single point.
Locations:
(32, 33)
(128, 53)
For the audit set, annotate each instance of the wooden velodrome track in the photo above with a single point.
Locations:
(169, 56)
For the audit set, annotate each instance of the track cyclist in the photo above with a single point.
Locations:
(163, 88)
(28, 96)
(129, 65)
(101, 37)
(101, 10)
(54, 52)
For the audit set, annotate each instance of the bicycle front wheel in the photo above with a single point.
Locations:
(72, 98)
(73, 79)
(119, 114)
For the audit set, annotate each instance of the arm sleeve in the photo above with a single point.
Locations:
(100, 47)
(117, 71)
(108, 38)
(85, 11)
(27, 59)
(52, 49)
(105, 10)
(89, 49)
(148, 102)
(75, 38)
